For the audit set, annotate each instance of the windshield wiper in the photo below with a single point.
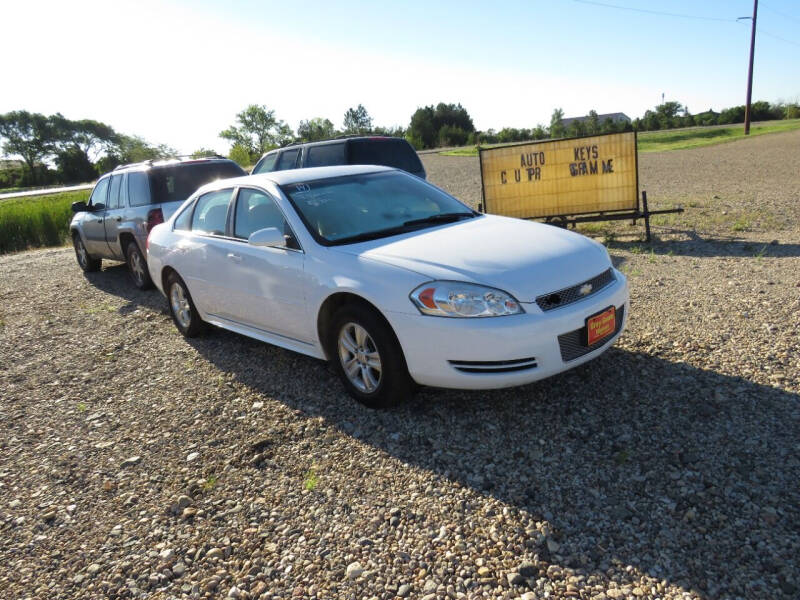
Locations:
(440, 218)
(404, 228)
(370, 235)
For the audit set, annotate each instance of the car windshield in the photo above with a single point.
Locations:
(367, 206)
(178, 182)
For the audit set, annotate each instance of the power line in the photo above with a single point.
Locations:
(772, 35)
(777, 37)
(655, 12)
(784, 15)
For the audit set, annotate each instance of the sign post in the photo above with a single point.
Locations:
(566, 181)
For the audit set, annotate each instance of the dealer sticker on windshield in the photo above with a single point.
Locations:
(601, 325)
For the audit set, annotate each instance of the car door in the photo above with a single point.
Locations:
(93, 224)
(201, 252)
(114, 212)
(267, 285)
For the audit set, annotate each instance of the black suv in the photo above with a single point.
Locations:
(128, 202)
(361, 150)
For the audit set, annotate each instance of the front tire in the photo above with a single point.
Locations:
(137, 267)
(85, 261)
(368, 358)
(182, 308)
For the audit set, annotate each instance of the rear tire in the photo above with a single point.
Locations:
(181, 307)
(137, 267)
(85, 261)
(368, 357)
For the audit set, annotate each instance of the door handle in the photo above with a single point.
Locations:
(118, 219)
(234, 257)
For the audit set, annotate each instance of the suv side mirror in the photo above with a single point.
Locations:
(271, 237)
(79, 207)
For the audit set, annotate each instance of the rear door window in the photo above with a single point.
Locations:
(287, 160)
(123, 192)
(100, 193)
(389, 152)
(138, 189)
(326, 155)
(113, 194)
(211, 212)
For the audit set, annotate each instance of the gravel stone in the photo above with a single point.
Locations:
(668, 466)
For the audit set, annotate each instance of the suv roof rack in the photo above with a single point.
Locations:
(150, 161)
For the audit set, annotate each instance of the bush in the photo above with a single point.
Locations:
(241, 155)
(450, 135)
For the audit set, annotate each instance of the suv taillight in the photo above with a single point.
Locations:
(154, 217)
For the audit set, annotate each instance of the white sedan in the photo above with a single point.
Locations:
(389, 277)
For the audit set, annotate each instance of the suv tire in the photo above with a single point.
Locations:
(137, 267)
(85, 261)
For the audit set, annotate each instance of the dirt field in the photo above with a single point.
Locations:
(748, 185)
(134, 463)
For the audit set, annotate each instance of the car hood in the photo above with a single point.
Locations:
(524, 258)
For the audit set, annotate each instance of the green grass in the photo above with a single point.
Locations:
(659, 141)
(679, 139)
(36, 221)
(310, 480)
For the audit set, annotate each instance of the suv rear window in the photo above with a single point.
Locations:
(178, 182)
(391, 153)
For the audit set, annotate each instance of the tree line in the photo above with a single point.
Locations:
(54, 149)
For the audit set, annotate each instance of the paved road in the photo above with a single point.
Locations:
(71, 188)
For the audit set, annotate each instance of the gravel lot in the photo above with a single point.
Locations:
(134, 463)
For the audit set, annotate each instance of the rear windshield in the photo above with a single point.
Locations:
(178, 182)
(391, 153)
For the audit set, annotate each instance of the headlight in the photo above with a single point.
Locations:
(456, 299)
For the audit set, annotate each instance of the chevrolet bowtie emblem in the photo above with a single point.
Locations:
(586, 289)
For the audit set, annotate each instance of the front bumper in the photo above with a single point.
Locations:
(498, 352)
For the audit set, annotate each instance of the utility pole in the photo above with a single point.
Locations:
(750, 71)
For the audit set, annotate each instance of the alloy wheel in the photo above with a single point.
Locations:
(360, 358)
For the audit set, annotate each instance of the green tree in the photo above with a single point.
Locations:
(89, 137)
(557, 129)
(242, 155)
(29, 136)
(316, 129)
(357, 121)
(593, 123)
(204, 153)
(74, 167)
(427, 123)
(257, 130)
(132, 149)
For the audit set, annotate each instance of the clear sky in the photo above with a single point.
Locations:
(177, 72)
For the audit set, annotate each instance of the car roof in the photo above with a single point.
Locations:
(298, 175)
(157, 164)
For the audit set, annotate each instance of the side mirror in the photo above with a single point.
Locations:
(97, 206)
(271, 237)
(79, 207)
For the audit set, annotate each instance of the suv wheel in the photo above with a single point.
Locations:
(182, 308)
(85, 261)
(368, 358)
(137, 267)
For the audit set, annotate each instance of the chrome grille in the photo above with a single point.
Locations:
(493, 366)
(572, 344)
(573, 294)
